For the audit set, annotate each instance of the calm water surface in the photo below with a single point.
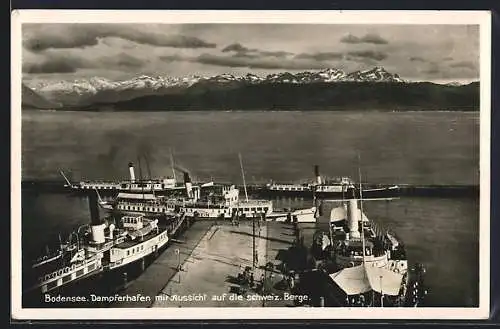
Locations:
(416, 147)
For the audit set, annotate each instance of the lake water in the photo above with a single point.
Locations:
(410, 147)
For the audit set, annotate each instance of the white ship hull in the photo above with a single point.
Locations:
(121, 256)
(69, 274)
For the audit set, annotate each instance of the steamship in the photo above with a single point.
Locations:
(336, 187)
(359, 264)
(206, 201)
(164, 186)
(102, 246)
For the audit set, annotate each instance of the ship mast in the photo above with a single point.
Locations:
(172, 164)
(243, 176)
(149, 174)
(361, 210)
(140, 177)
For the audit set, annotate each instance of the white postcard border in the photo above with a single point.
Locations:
(481, 18)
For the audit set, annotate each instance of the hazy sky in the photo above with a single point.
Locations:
(118, 51)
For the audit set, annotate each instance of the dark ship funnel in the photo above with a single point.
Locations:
(97, 225)
(94, 209)
(316, 174)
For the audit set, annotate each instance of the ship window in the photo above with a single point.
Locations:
(66, 278)
(259, 208)
(128, 252)
(265, 209)
(52, 284)
(91, 267)
(245, 209)
(79, 272)
(142, 247)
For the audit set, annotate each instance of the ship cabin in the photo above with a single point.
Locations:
(143, 238)
(99, 185)
(254, 208)
(350, 253)
(131, 202)
(289, 187)
(149, 185)
(219, 194)
(132, 222)
(339, 184)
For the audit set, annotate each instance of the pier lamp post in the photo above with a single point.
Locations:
(381, 293)
(178, 253)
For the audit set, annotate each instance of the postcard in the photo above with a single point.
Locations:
(195, 165)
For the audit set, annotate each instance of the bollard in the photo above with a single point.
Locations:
(125, 279)
(142, 264)
(322, 301)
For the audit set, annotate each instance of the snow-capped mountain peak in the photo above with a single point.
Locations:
(102, 89)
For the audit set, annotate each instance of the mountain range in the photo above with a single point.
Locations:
(330, 88)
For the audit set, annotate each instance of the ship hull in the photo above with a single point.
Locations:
(384, 192)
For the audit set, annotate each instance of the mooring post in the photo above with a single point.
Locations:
(125, 279)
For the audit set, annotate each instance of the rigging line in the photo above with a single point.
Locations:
(361, 208)
(243, 176)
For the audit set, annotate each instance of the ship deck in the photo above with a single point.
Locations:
(212, 255)
(164, 268)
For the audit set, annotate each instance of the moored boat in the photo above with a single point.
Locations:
(356, 263)
(335, 187)
(164, 186)
(100, 247)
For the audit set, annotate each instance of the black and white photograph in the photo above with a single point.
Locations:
(250, 165)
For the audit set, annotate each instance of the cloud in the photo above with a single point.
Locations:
(368, 38)
(246, 55)
(237, 47)
(71, 63)
(65, 36)
(275, 53)
(242, 51)
(464, 64)
(171, 58)
(366, 55)
(122, 60)
(418, 59)
(321, 56)
(433, 70)
(256, 63)
(56, 64)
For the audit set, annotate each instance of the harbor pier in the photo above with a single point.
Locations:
(212, 265)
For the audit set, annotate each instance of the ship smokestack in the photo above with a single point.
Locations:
(131, 170)
(316, 174)
(96, 223)
(94, 209)
(188, 184)
(353, 219)
(111, 229)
